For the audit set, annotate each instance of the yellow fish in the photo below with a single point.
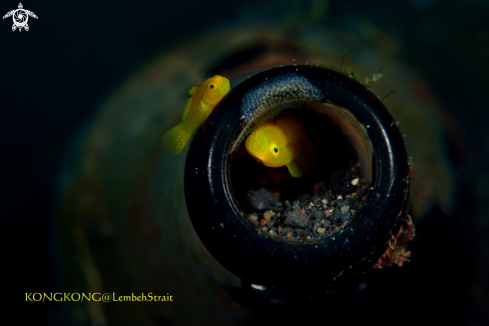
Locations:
(282, 142)
(204, 98)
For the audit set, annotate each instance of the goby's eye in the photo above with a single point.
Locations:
(274, 150)
(211, 86)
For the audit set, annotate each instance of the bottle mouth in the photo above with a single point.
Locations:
(338, 154)
(345, 119)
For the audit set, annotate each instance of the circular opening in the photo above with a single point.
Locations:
(337, 154)
(352, 128)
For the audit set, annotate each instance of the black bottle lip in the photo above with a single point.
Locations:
(260, 259)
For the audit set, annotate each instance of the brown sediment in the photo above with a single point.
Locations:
(333, 205)
(396, 253)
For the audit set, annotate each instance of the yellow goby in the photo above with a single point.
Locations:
(282, 142)
(204, 98)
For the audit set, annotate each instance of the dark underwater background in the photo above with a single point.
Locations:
(53, 76)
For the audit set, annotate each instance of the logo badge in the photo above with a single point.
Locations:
(20, 17)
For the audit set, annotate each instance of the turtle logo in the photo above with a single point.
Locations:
(20, 17)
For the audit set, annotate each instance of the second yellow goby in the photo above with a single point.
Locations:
(282, 142)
